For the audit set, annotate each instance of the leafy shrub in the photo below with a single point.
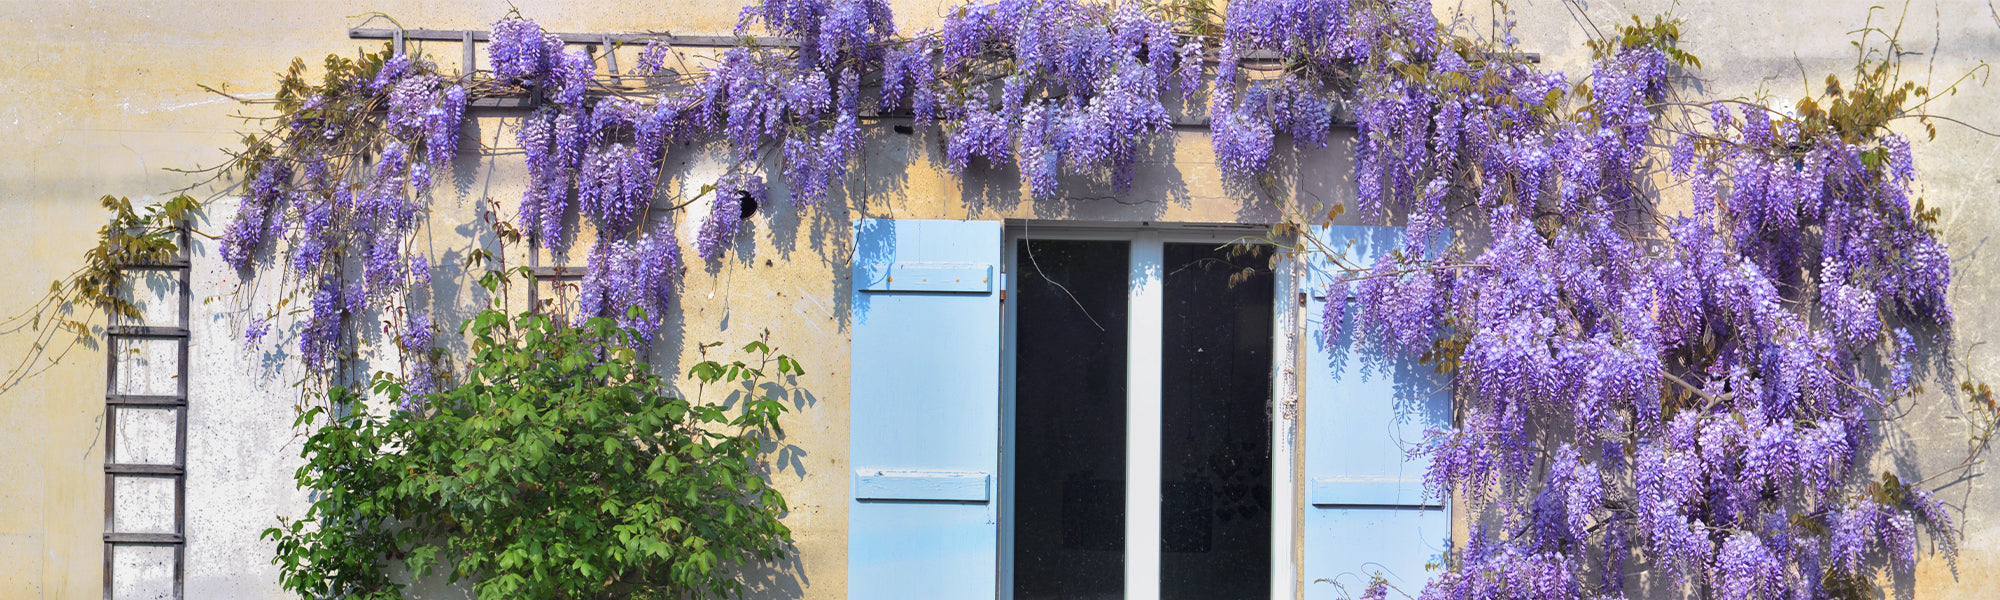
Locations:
(560, 467)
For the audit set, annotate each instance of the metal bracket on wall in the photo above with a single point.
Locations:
(135, 531)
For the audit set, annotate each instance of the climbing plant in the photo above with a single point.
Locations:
(1685, 380)
(1691, 392)
(135, 237)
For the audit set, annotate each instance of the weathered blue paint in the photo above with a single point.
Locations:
(925, 397)
(1367, 514)
(923, 485)
(925, 277)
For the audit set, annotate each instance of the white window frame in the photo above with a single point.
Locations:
(1143, 412)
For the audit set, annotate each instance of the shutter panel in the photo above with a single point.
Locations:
(925, 410)
(1365, 509)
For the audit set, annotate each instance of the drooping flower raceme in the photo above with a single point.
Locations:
(736, 195)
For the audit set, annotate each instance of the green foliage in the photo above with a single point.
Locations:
(334, 119)
(1198, 18)
(1862, 109)
(134, 237)
(1877, 94)
(1663, 34)
(561, 467)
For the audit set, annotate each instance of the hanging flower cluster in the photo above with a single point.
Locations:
(602, 157)
(1055, 86)
(606, 154)
(1694, 388)
(1688, 393)
(628, 280)
(342, 189)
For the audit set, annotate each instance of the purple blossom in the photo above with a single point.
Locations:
(1853, 528)
(983, 133)
(320, 337)
(570, 77)
(255, 332)
(834, 32)
(615, 187)
(417, 331)
(626, 275)
(1243, 141)
(1746, 570)
(384, 269)
(1902, 362)
(391, 71)
(726, 212)
(420, 270)
(552, 141)
(652, 60)
(519, 49)
(441, 127)
(246, 231)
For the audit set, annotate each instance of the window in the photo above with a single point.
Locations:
(1134, 407)
(1138, 447)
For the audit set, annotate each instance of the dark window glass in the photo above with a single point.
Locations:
(1069, 398)
(1215, 513)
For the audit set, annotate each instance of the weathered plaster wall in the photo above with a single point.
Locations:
(101, 97)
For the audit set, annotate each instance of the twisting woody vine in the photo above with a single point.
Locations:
(1687, 391)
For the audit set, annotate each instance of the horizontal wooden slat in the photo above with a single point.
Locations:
(161, 266)
(503, 103)
(458, 35)
(727, 41)
(927, 277)
(955, 486)
(1396, 493)
(158, 470)
(144, 538)
(141, 400)
(146, 332)
(558, 272)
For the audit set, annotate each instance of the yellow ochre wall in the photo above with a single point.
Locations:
(100, 98)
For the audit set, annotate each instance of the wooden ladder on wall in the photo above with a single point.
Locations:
(145, 434)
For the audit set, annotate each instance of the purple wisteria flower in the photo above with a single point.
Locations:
(736, 194)
(632, 282)
(255, 332)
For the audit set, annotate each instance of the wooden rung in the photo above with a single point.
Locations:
(156, 470)
(146, 332)
(144, 538)
(141, 400)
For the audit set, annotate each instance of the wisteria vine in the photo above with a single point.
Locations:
(1688, 391)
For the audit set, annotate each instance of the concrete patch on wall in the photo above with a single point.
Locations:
(242, 448)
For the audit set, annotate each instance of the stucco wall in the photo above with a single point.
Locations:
(101, 97)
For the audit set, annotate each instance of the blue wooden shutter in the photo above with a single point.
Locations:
(925, 401)
(1365, 508)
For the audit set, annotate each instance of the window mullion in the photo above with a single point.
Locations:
(1143, 419)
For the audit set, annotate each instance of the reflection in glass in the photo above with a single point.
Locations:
(1069, 470)
(1216, 425)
